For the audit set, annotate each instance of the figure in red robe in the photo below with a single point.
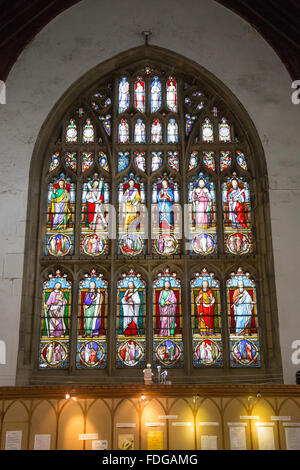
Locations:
(205, 302)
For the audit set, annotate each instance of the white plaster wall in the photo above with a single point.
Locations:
(201, 30)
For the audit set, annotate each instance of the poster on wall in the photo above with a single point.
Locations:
(292, 437)
(237, 438)
(13, 440)
(42, 441)
(265, 438)
(125, 442)
(209, 443)
(99, 444)
(155, 440)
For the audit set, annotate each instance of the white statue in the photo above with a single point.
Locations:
(163, 376)
(148, 375)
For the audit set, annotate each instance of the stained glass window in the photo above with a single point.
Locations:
(206, 320)
(92, 322)
(167, 320)
(88, 132)
(209, 160)
(55, 322)
(140, 161)
(189, 121)
(123, 95)
(242, 320)
(71, 161)
(106, 123)
(123, 132)
(80, 112)
(207, 131)
(193, 161)
(241, 160)
(172, 94)
(71, 133)
(94, 217)
(60, 217)
(172, 132)
(139, 95)
(173, 160)
(87, 161)
(155, 95)
(166, 223)
(131, 320)
(225, 160)
(153, 181)
(203, 223)
(156, 161)
(103, 161)
(237, 216)
(224, 131)
(123, 161)
(215, 111)
(55, 160)
(140, 132)
(131, 216)
(156, 132)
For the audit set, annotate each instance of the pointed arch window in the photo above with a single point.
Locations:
(152, 231)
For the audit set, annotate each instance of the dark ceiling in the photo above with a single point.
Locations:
(278, 21)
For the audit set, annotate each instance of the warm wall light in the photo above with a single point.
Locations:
(67, 396)
(143, 397)
(255, 398)
(196, 398)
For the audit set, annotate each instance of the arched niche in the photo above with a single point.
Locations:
(151, 413)
(43, 421)
(264, 409)
(98, 421)
(289, 408)
(233, 410)
(70, 425)
(183, 436)
(125, 412)
(209, 421)
(16, 418)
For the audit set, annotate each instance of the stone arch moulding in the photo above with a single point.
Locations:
(261, 262)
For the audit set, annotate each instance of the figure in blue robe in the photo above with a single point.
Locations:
(165, 199)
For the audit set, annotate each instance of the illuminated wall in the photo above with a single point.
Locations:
(185, 419)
